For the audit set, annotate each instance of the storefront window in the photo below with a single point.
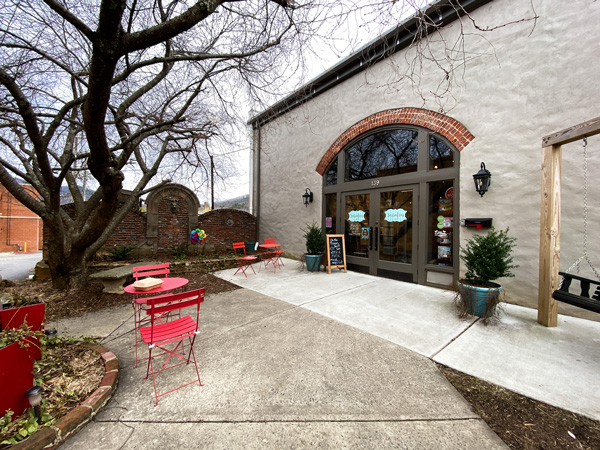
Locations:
(390, 192)
(441, 223)
(330, 213)
(440, 155)
(331, 174)
(386, 153)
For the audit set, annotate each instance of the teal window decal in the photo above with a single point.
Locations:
(395, 215)
(356, 216)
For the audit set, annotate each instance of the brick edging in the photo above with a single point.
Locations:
(54, 435)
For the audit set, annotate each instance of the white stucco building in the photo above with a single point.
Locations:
(390, 158)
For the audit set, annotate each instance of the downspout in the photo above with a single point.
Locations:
(256, 178)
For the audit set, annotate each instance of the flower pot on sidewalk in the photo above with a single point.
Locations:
(315, 246)
(480, 301)
(313, 262)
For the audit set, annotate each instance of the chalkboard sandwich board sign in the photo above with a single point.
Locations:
(336, 252)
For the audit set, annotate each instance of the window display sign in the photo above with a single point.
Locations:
(395, 215)
(355, 229)
(444, 252)
(445, 205)
(356, 216)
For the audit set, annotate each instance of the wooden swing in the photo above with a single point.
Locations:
(583, 300)
(562, 294)
(550, 288)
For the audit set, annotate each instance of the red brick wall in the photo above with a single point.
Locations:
(131, 231)
(173, 222)
(223, 227)
(20, 228)
(451, 129)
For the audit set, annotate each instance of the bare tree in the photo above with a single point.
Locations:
(102, 87)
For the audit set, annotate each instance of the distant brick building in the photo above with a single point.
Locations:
(20, 228)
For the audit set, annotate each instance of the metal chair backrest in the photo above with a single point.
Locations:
(237, 246)
(162, 304)
(150, 271)
(270, 241)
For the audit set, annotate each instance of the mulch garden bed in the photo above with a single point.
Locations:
(76, 302)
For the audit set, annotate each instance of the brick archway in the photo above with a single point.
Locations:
(172, 213)
(446, 126)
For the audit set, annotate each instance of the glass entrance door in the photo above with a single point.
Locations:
(381, 231)
(358, 228)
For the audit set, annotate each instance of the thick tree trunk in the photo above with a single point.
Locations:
(68, 271)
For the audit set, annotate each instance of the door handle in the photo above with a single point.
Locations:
(371, 238)
(376, 238)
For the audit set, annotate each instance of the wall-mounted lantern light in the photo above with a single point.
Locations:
(482, 180)
(307, 197)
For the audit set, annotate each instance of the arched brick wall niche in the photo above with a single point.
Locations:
(448, 127)
(172, 213)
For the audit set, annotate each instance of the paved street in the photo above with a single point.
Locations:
(18, 266)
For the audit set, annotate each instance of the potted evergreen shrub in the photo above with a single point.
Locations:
(315, 246)
(487, 258)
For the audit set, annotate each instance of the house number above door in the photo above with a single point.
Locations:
(375, 183)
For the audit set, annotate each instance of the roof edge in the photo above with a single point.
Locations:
(403, 35)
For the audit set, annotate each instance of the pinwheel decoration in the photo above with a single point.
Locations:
(197, 236)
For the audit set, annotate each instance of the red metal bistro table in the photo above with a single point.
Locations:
(168, 284)
(270, 256)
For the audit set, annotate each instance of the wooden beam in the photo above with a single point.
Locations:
(574, 133)
(549, 235)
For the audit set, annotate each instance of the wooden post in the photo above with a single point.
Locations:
(549, 235)
(550, 217)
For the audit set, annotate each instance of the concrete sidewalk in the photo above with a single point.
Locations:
(279, 376)
(559, 366)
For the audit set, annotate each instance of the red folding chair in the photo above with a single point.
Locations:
(276, 253)
(139, 303)
(243, 261)
(170, 336)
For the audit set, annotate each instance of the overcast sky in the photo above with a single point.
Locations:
(360, 29)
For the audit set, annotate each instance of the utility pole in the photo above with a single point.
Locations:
(212, 183)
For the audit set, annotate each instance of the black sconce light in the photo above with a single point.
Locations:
(34, 395)
(482, 180)
(307, 197)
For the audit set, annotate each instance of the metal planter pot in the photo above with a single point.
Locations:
(313, 262)
(478, 297)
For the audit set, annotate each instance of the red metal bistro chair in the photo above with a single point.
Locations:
(170, 336)
(276, 253)
(243, 261)
(140, 303)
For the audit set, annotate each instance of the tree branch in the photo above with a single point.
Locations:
(71, 18)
